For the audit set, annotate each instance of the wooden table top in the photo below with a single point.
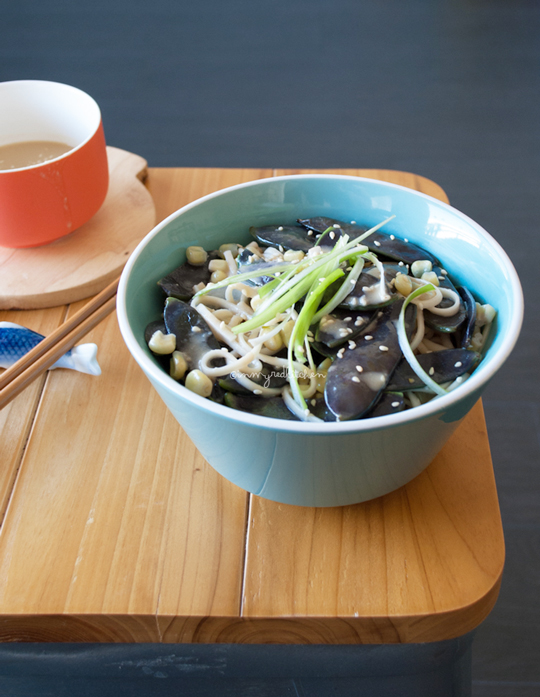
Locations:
(114, 528)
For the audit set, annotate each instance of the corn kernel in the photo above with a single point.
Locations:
(178, 365)
(217, 276)
(161, 343)
(431, 277)
(198, 382)
(218, 265)
(403, 284)
(231, 247)
(196, 256)
(420, 267)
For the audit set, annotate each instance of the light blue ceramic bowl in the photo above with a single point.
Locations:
(328, 464)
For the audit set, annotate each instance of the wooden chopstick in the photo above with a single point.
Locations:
(48, 351)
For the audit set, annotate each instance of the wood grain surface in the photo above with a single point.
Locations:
(116, 529)
(83, 263)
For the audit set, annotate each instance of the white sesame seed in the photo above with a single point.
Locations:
(444, 272)
(395, 404)
(458, 364)
(355, 379)
(336, 225)
(383, 348)
(392, 237)
(257, 391)
(352, 344)
(343, 331)
(310, 232)
(460, 379)
(400, 263)
(359, 369)
(347, 319)
(368, 337)
(313, 402)
(358, 321)
(377, 243)
(280, 227)
(332, 235)
(432, 371)
(281, 249)
(441, 278)
(406, 241)
(340, 353)
(353, 222)
(196, 329)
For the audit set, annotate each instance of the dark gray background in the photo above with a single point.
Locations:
(449, 90)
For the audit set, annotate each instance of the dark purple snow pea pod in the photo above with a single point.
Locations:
(378, 242)
(283, 237)
(467, 329)
(365, 294)
(193, 335)
(441, 366)
(342, 325)
(179, 283)
(361, 372)
(388, 403)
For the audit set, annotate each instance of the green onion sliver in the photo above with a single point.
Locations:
(300, 329)
(406, 347)
(306, 268)
(305, 317)
(344, 290)
(268, 287)
(283, 303)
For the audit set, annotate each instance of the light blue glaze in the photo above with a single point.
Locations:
(320, 464)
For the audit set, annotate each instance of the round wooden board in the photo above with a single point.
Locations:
(84, 262)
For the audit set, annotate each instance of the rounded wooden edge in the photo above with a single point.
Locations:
(128, 628)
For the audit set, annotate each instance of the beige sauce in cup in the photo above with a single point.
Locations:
(30, 152)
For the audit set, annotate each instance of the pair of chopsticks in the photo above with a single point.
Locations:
(47, 352)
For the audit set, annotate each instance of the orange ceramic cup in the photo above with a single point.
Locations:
(40, 203)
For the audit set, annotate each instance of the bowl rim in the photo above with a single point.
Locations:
(479, 378)
(91, 101)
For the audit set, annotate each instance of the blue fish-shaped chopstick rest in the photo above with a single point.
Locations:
(15, 341)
